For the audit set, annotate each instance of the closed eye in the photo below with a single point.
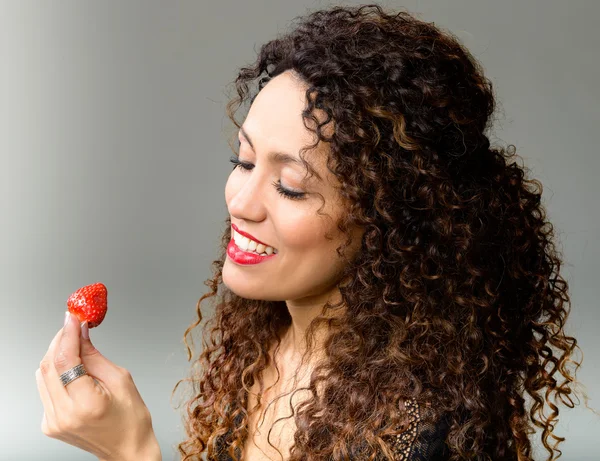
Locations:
(237, 162)
(291, 194)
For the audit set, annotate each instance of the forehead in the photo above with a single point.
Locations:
(274, 123)
(275, 117)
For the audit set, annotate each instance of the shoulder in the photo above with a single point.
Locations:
(423, 439)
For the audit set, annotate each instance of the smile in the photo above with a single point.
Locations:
(247, 243)
(245, 257)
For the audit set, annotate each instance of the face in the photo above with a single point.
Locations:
(275, 202)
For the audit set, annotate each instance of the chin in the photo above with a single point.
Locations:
(239, 283)
(239, 286)
(249, 292)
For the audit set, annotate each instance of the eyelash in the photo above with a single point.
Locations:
(293, 195)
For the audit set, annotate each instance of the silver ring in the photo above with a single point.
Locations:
(72, 374)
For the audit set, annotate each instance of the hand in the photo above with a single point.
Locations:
(101, 412)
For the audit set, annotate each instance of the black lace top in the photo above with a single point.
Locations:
(422, 441)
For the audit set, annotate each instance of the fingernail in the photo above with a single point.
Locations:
(67, 314)
(85, 332)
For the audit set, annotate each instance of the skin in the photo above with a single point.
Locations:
(306, 269)
(101, 412)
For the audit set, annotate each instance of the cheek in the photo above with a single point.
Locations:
(318, 236)
(306, 232)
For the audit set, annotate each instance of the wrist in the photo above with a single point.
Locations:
(149, 451)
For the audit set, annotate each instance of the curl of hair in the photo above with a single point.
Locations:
(455, 298)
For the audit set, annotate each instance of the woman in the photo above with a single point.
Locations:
(388, 286)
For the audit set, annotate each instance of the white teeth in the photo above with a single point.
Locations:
(244, 242)
(250, 245)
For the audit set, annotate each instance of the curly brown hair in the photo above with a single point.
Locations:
(455, 298)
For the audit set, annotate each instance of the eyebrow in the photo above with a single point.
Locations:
(279, 157)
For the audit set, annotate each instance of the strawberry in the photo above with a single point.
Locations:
(89, 304)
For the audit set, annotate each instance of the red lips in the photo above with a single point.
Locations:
(245, 257)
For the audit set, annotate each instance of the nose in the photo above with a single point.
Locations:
(247, 199)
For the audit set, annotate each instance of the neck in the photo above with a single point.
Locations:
(303, 312)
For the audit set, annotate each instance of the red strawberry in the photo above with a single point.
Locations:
(89, 303)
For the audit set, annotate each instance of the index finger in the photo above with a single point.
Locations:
(68, 356)
(62, 356)
(58, 395)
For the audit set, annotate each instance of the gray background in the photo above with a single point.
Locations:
(114, 158)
